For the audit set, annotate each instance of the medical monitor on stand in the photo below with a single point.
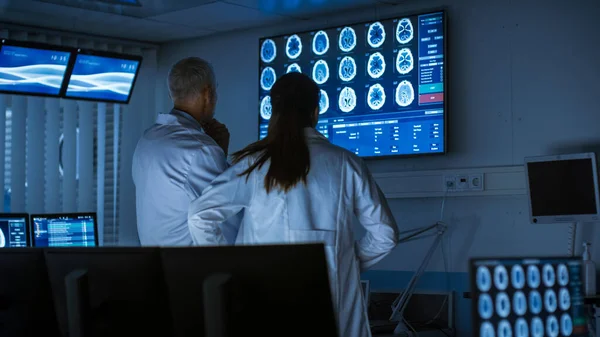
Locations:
(14, 230)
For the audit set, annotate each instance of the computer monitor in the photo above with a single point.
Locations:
(272, 290)
(534, 297)
(64, 230)
(563, 188)
(14, 230)
(26, 302)
(125, 290)
(101, 76)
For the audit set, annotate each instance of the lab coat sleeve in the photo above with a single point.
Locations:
(223, 199)
(375, 216)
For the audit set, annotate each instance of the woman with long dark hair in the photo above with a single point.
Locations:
(296, 187)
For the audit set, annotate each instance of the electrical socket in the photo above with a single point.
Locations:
(463, 182)
(476, 182)
(449, 183)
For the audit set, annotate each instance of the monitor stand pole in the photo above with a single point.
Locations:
(78, 304)
(216, 295)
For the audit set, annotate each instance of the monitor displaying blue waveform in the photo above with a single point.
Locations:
(64, 230)
(33, 71)
(102, 78)
(382, 83)
(14, 231)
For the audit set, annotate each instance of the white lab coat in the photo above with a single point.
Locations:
(339, 187)
(173, 162)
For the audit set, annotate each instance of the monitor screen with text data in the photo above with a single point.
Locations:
(14, 230)
(64, 230)
(32, 69)
(382, 83)
(103, 77)
(534, 297)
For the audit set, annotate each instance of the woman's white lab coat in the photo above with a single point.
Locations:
(339, 189)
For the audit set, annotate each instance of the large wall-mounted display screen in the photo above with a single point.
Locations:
(382, 83)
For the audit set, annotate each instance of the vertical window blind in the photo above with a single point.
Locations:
(75, 156)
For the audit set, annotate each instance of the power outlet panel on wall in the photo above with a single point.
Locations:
(472, 182)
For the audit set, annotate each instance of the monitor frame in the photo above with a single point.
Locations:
(41, 46)
(27, 225)
(552, 219)
(89, 52)
(443, 10)
(69, 215)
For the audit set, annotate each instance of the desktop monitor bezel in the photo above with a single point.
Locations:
(59, 215)
(442, 10)
(41, 46)
(27, 226)
(572, 218)
(112, 55)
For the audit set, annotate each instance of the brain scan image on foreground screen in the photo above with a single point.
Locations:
(267, 78)
(347, 99)
(320, 72)
(347, 40)
(405, 94)
(376, 65)
(293, 68)
(268, 51)
(404, 31)
(376, 35)
(376, 97)
(347, 69)
(323, 102)
(2, 239)
(293, 47)
(320, 43)
(404, 61)
(265, 108)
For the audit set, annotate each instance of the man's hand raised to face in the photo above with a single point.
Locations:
(218, 132)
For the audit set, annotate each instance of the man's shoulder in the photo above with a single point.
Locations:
(177, 137)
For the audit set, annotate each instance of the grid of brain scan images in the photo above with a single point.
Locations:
(382, 83)
(528, 298)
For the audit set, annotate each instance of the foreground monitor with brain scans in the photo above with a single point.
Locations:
(383, 83)
(534, 297)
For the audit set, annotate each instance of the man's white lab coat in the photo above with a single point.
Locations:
(339, 189)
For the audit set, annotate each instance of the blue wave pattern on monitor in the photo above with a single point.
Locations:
(320, 72)
(347, 70)
(102, 78)
(347, 40)
(376, 65)
(293, 47)
(267, 78)
(320, 44)
(268, 51)
(376, 35)
(376, 97)
(30, 70)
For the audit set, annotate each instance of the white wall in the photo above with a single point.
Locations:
(523, 80)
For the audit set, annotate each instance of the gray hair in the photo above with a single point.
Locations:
(188, 77)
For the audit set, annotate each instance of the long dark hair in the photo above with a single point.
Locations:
(294, 100)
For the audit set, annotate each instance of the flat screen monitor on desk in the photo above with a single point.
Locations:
(64, 230)
(14, 230)
(528, 297)
(32, 68)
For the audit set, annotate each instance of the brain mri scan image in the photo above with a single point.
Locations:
(519, 303)
(535, 302)
(404, 31)
(347, 40)
(521, 328)
(566, 325)
(487, 330)
(376, 35)
(550, 301)
(320, 72)
(563, 275)
(501, 277)
(404, 61)
(485, 306)
(347, 69)
(320, 43)
(537, 327)
(293, 68)
(502, 305)
(484, 279)
(265, 108)
(293, 47)
(2, 239)
(504, 329)
(552, 327)
(323, 102)
(268, 51)
(347, 99)
(376, 97)
(533, 276)
(267, 78)
(517, 276)
(405, 94)
(376, 65)
(565, 299)
(549, 276)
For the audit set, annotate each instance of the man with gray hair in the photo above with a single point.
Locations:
(179, 156)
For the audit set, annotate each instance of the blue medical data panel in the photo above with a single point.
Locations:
(14, 230)
(32, 71)
(383, 83)
(102, 78)
(528, 297)
(64, 230)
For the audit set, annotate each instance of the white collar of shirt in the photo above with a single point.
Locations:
(178, 117)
